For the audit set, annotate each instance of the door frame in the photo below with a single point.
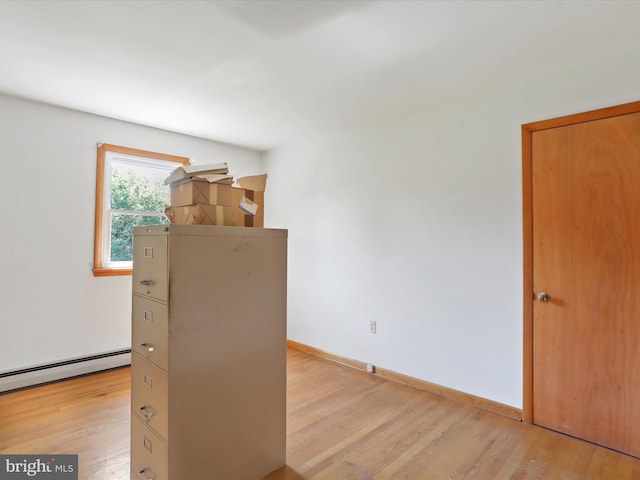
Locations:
(527, 229)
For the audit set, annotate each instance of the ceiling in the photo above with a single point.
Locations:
(263, 73)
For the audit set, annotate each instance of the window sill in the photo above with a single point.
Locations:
(111, 272)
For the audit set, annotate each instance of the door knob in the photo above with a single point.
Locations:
(544, 297)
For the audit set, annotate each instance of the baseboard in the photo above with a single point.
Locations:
(450, 393)
(32, 376)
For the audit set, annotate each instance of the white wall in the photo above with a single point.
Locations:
(415, 222)
(52, 308)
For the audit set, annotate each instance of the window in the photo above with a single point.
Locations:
(130, 192)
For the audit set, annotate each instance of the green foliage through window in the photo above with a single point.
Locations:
(135, 195)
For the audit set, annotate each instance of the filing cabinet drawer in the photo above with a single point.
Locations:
(150, 330)
(148, 453)
(150, 266)
(149, 390)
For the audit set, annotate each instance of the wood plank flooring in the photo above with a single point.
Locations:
(342, 424)
(88, 416)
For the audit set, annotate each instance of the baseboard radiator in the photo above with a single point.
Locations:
(32, 376)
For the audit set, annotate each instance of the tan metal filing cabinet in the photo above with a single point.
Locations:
(208, 386)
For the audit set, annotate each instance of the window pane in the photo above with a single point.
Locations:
(122, 233)
(139, 187)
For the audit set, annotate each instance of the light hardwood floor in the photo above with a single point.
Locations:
(342, 424)
(87, 415)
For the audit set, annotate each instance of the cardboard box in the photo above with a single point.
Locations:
(253, 187)
(255, 183)
(201, 214)
(195, 200)
(191, 171)
(224, 195)
(189, 193)
(197, 191)
(256, 220)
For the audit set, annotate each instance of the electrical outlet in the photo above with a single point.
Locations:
(371, 368)
(372, 326)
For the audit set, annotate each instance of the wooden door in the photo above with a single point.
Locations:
(585, 254)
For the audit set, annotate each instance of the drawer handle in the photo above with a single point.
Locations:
(147, 283)
(148, 347)
(144, 474)
(147, 412)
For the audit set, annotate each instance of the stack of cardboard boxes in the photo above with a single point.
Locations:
(208, 195)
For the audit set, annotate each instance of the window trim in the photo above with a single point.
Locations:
(98, 269)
